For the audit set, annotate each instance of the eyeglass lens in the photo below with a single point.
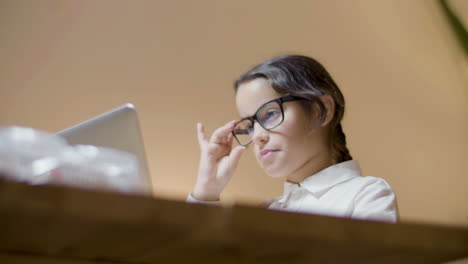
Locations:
(269, 116)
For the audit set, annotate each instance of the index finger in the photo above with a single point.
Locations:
(201, 134)
(220, 134)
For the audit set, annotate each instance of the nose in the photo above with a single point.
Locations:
(260, 135)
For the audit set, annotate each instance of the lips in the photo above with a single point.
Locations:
(265, 153)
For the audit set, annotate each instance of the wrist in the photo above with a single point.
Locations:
(204, 194)
(205, 197)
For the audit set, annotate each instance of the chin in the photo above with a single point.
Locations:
(277, 176)
(273, 168)
(274, 172)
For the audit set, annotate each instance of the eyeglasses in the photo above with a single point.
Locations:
(269, 116)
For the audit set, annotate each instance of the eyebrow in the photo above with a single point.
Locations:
(242, 117)
(245, 116)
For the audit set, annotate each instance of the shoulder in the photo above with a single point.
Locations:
(375, 199)
(358, 184)
(369, 187)
(365, 182)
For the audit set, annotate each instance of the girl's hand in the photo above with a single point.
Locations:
(218, 160)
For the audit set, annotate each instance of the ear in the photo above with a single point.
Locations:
(330, 108)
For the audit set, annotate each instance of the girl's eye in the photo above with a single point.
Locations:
(241, 132)
(250, 128)
(271, 114)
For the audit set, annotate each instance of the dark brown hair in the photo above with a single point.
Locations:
(305, 77)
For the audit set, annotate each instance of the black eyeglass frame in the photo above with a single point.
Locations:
(253, 118)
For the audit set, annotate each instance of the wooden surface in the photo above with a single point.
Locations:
(52, 224)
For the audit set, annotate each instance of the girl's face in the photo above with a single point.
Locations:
(294, 147)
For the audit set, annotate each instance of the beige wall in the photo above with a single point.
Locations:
(397, 62)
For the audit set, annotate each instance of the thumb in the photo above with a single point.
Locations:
(235, 156)
(229, 163)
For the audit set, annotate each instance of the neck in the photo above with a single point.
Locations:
(310, 167)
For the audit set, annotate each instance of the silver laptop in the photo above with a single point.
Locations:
(117, 129)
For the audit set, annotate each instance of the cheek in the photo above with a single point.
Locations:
(255, 149)
(299, 142)
(291, 141)
(295, 133)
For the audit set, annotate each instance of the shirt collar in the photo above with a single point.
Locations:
(323, 180)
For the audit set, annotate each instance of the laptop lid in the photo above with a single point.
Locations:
(118, 129)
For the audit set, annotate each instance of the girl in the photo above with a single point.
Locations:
(291, 113)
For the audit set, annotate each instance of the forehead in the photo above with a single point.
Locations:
(253, 94)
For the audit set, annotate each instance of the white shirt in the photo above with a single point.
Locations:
(338, 190)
